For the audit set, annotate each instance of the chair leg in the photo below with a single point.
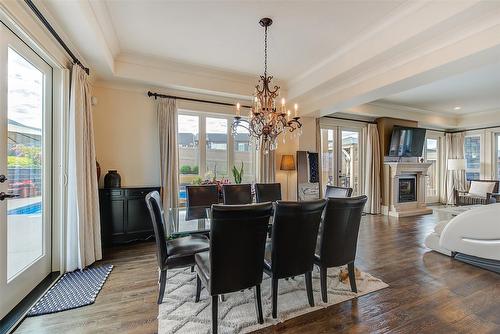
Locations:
(215, 313)
(352, 276)
(198, 289)
(309, 288)
(324, 292)
(275, 297)
(258, 304)
(163, 282)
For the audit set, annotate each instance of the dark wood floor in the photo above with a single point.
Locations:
(428, 293)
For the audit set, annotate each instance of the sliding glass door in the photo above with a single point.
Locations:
(25, 170)
(340, 158)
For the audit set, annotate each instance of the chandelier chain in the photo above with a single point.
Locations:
(265, 52)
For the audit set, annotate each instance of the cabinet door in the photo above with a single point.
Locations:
(117, 207)
(138, 219)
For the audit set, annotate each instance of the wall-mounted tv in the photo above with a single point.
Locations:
(407, 142)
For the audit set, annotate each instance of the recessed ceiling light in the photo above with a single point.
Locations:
(457, 108)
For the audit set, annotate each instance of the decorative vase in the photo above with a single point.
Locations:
(98, 167)
(112, 179)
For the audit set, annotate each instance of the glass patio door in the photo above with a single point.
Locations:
(25, 170)
(340, 158)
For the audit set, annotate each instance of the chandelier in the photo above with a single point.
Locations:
(267, 121)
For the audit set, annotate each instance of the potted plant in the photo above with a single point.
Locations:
(238, 174)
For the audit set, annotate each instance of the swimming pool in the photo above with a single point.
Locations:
(29, 209)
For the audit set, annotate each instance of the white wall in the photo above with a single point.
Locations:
(126, 136)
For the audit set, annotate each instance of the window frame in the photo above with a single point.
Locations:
(481, 148)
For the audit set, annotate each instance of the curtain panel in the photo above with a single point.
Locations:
(454, 179)
(169, 156)
(83, 231)
(372, 170)
(267, 165)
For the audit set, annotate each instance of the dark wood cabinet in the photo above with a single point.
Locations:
(124, 215)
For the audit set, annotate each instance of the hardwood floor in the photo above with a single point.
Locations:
(428, 293)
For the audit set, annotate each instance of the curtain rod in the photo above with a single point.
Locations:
(163, 96)
(350, 119)
(47, 25)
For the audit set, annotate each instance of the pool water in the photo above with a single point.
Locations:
(29, 209)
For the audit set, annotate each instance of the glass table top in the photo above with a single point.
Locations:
(184, 220)
(190, 220)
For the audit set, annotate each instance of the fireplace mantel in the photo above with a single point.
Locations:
(396, 170)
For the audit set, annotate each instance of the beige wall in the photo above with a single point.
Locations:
(126, 136)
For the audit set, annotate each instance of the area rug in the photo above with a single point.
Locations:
(180, 314)
(75, 289)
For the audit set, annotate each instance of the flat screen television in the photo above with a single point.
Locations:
(407, 142)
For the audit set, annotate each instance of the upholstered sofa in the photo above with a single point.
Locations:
(478, 192)
(473, 237)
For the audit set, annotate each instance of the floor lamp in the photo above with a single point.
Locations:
(455, 165)
(287, 164)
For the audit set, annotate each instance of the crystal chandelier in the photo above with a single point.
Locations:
(266, 121)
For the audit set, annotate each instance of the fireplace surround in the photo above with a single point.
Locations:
(406, 188)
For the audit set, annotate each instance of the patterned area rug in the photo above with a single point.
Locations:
(180, 314)
(73, 290)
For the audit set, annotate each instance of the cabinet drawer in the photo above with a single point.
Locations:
(138, 192)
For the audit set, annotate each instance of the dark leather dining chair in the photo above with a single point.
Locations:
(333, 191)
(338, 238)
(236, 257)
(202, 195)
(267, 192)
(293, 242)
(235, 194)
(176, 253)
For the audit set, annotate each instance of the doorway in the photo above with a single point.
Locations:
(25, 170)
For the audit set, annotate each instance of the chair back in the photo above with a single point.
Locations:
(495, 188)
(155, 208)
(338, 235)
(237, 194)
(333, 191)
(294, 235)
(267, 192)
(202, 195)
(237, 244)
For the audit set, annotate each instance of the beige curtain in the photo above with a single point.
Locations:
(267, 165)
(83, 231)
(372, 170)
(169, 161)
(454, 150)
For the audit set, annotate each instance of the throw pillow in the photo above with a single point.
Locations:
(481, 188)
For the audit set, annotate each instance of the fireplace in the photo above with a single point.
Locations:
(407, 188)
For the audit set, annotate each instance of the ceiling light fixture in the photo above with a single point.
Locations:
(267, 121)
(457, 108)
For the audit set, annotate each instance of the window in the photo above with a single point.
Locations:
(207, 149)
(216, 139)
(431, 154)
(472, 150)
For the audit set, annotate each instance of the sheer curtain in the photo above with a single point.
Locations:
(169, 159)
(372, 170)
(83, 232)
(267, 166)
(454, 150)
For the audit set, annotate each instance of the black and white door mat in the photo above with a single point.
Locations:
(75, 289)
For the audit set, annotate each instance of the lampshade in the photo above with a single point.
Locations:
(456, 164)
(287, 162)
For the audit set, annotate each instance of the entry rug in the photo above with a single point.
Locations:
(180, 314)
(75, 289)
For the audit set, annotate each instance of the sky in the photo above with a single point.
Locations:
(25, 96)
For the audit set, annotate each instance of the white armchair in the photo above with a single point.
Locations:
(475, 233)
